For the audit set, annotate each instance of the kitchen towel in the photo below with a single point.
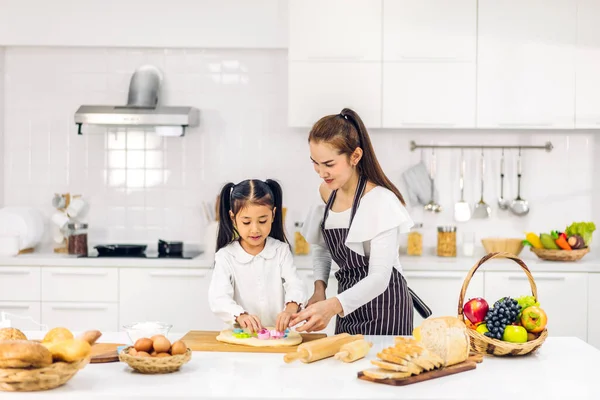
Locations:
(418, 185)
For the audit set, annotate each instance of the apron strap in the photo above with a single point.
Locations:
(360, 189)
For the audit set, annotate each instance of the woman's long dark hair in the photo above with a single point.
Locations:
(249, 192)
(346, 131)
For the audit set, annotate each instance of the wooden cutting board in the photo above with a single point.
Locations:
(105, 353)
(207, 341)
(425, 376)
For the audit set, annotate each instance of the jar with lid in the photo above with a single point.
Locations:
(77, 243)
(301, 246)
(414, 246)
(446, 241)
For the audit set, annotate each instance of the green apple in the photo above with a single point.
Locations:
(482, 328)
(515, 334)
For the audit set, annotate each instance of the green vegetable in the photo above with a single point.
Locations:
(583, 229)
(526, 243)
(526, 301)
(548, 242)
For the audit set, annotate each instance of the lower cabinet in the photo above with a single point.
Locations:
(593, 310)
(80, 316)
(23, 315)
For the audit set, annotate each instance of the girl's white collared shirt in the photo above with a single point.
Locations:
(260, 285)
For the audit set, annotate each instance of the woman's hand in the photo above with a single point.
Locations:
(318, 294)
(251, 322)
(317, 316)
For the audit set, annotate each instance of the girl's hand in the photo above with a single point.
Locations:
(317, 316)
(283, 320)
(249, 322)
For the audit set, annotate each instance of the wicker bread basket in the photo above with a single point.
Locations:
(155, 365)
(35, 379)
(483, 344)
(560, 255)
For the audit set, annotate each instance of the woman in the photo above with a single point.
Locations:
(358, 223)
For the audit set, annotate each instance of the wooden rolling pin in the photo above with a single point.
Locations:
(353, 351)
(319, 349)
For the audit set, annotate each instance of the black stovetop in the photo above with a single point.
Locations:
(187, 255)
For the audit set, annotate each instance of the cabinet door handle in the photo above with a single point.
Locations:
(79, 273)
(537, 278)
(15, 271)
(433, 59)
(335, 58)
(14, 307)
(436, 276)
(526, 124)
(174, 274)
(79, 307)
(428, 124)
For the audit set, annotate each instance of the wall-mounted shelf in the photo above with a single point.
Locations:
(413, 146)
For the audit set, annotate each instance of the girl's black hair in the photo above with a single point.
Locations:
(234, 197)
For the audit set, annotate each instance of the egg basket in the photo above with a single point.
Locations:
(560, 255)
(155, 365)
(36, 379)
(483, 344)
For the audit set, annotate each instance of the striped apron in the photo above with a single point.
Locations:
(390, 313)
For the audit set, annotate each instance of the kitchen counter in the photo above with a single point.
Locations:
(563, 368)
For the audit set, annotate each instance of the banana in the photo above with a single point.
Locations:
(534, 240)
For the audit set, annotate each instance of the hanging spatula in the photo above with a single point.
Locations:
(482, 210)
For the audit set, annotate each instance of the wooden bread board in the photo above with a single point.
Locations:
(207, 341)
(104, 353)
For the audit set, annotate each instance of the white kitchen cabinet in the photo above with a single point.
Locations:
(562, 295)
(18, 313)
(317, 89)
(80, 284)
(587, 89)
(340, 30)
(593, 312)
(332, 287)
(20, 283)
(441, 291)
(429, 94)
(526, 64)
(177, 296)
(80, 316)
(429, 30)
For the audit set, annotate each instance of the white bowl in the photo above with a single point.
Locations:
(147, 329)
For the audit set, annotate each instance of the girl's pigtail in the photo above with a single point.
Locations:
(226, 231)
(277, 230)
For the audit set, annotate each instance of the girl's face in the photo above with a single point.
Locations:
(253, 224)
(334, 168)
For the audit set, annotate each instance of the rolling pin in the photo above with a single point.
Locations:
(319, 349)
(353, 351)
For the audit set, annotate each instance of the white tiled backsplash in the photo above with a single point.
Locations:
(142, 187)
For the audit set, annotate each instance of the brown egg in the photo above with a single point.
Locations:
(161, 344)
(178, 348)
(143, 344)
(142, 354)
(162, 355)
(132, 352)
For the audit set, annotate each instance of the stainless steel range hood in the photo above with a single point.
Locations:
(142, 108)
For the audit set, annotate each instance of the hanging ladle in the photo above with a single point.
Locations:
(432, 206)
(519, 206)
(502, 202)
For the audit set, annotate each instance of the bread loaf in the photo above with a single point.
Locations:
(12, 334)
(23, 354)
(447, 337)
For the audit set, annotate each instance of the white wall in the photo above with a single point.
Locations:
(1, 126)
(142, 187)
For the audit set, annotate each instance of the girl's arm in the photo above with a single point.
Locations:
(295, 291)
(384, 250)
(220, 292)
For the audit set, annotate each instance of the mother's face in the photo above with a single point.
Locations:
(334, 168)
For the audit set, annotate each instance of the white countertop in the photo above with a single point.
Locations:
(563, 368)
(590, 263)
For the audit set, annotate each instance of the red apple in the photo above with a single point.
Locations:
(476, 309)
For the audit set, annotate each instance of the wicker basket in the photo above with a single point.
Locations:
(35, 379)
(560, 255)
(483, 344)
(155, 365)
(503, 245)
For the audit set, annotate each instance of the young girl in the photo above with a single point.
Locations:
(254, 283)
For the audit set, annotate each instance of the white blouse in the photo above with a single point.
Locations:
(375, 233)
(260, 285)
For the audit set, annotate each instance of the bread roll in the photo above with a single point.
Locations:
(447, 337)
(90, 336)
(70, 350)
(57, 335)
(12, 334)
(23, 354)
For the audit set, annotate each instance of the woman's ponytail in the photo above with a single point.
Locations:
(277, 230)
(226, 232)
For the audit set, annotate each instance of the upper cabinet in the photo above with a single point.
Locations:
(526, 64)
(429, 30)
(587, 76)
(335, 30)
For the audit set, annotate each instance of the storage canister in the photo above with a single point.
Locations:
(77, 242)
(446, 244)
(414, 246)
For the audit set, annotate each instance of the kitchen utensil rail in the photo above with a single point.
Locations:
(413, 146)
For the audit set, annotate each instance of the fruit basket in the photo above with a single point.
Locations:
(560, 255)
(36, 379)
(484, 344)
(155, 365)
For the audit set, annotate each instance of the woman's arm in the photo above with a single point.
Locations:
(220, 292)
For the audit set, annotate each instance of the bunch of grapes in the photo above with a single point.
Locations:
(504, 312)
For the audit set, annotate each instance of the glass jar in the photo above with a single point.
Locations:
(301, 246)
(77, 243)
(446, 243)
(414, 246)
